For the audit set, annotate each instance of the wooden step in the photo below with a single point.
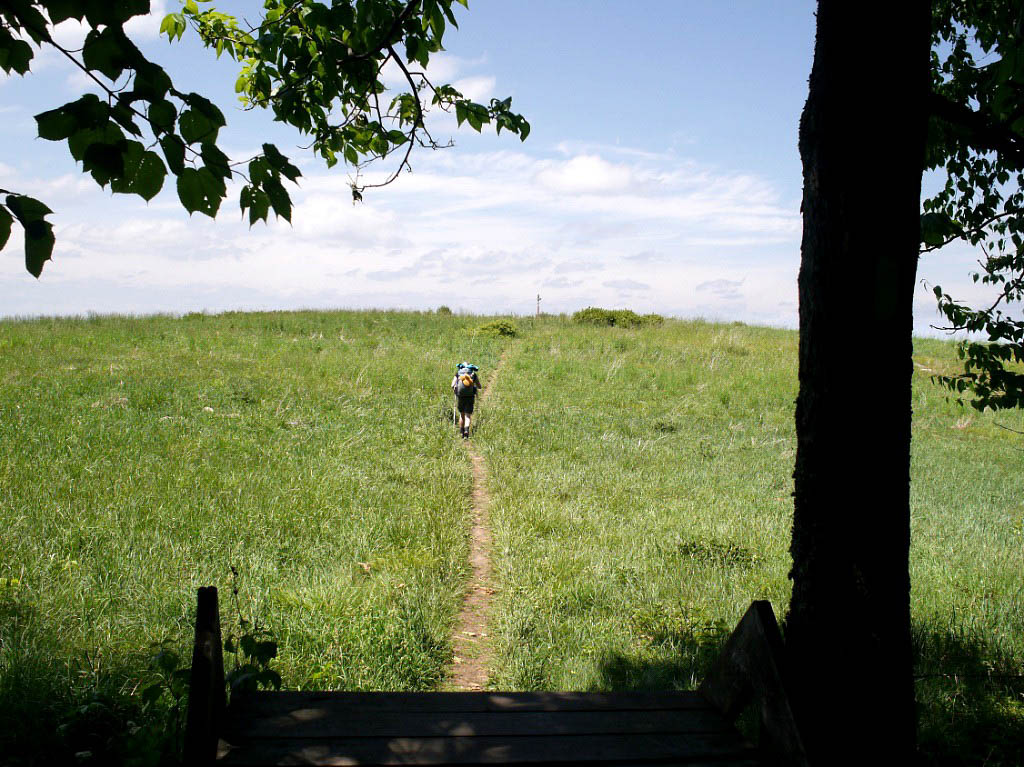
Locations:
(527, 728)
(347, 728)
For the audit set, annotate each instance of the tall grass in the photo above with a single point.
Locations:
(141, 458)
(641, 483)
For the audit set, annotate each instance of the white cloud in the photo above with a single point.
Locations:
(479, 88)
(585, 174)
(583, 230)
(728, 290)
(147, 27)
(627, 285)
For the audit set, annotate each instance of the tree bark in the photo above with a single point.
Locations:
(862, 141)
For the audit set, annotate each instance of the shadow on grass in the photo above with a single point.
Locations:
(78, 713)
(677, 655)
(970, 696)
(970, 690)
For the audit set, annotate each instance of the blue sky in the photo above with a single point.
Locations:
(661, 174)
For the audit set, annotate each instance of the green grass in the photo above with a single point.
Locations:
(640, 483)
(141, 458)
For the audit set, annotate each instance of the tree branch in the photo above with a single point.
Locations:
(417, 122)
(982, 130)
(967, 232)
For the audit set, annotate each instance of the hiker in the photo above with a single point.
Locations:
(465, 385)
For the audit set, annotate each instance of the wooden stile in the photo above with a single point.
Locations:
(626, 729)
(749, 670)
(206, 697)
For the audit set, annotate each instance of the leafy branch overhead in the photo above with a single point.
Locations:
(976, 135)
(319, 67)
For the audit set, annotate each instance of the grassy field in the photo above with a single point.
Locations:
(640, 484)
(140, 459)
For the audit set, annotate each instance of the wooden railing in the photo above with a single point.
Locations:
(749, 671)
(206, 698)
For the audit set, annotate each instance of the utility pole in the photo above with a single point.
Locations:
(538, 304)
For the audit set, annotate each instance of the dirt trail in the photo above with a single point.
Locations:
(471, 640)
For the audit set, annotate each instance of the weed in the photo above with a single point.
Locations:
(622, 318)
(498, 329)
(253, 648)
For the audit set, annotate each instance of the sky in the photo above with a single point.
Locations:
(661, 175)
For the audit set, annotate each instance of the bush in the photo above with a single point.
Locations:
(498, 328)
(623, 318)
(443, 310)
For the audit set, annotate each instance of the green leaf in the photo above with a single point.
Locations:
(26, 209)
(206, 108)
(152, 693)
(169, 26)
(166, 660)
(257, 203)
(39, 242)
(104, 161)
(151, 81)
(144, 173)
(174, 152)
(216, 160)
(936, 228)
(199, 190)
(195, 126)
(99, 13)
(265, 652)
(80, 141)
(31, 214)
(269, 678)
(62, 10)
(56, 124)
(259, 170)
(162, 115)
(15, 54)
(279, 199)
(280, 162)
(125, 117)
(6, 219)
(109, 52)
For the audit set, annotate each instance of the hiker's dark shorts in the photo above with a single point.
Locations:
(465, 404)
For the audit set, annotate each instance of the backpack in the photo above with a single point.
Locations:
(464, 384)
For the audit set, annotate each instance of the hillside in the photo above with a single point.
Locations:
(639, 487)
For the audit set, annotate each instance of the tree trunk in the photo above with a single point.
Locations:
(862, 138)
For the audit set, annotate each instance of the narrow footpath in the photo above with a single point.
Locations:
(471, 639)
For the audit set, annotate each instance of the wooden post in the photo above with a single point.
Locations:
(750, 667)
(206, 696)
(538, 304)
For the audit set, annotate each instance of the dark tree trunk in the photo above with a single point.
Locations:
(862, 138)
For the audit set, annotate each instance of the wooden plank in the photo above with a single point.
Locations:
(716, 747)
(320, 723)
(276, 702)
(206, 695)
(750, 666)
(748, 761)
